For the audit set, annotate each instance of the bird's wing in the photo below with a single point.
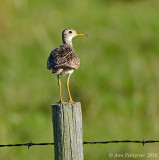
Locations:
(63, 57)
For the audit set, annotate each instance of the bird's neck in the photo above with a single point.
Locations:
(68, 41)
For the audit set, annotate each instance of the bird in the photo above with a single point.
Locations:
(63, 59)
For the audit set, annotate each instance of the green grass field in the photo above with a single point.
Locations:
(117, 82)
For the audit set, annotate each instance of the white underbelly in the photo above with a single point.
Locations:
(66, 72)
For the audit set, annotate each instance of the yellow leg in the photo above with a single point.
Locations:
(59, 83)
(70, 98)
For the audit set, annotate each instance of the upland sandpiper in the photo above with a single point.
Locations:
(63, 60)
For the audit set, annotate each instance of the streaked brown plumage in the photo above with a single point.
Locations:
(63, 60)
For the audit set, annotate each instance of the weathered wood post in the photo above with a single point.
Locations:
(68, 135)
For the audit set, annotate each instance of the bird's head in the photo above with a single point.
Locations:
(68, 34)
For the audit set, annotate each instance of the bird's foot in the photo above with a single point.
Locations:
(71, 101)
(61, 102)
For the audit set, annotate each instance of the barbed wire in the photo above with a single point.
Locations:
(26, 144)
(143, 142)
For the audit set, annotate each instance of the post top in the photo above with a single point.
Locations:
(67, 104)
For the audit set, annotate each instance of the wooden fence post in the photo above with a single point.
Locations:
(68, 135)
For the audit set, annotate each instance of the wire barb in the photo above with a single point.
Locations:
(29, 145)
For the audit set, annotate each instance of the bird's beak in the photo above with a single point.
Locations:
(81, 34)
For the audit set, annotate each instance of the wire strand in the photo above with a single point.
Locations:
(143, 142)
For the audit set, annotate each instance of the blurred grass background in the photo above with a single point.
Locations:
(117, 82)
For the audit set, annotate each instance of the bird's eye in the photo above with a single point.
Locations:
(70, 31)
